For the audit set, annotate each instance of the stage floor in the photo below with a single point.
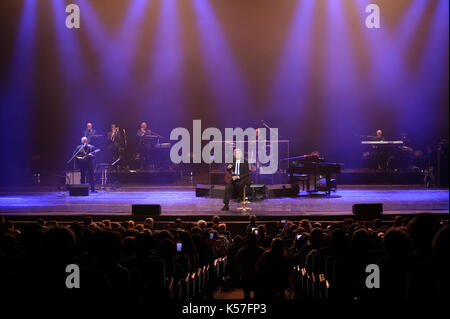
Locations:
(181, 200)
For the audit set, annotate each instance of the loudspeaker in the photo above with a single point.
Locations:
(202, 190)
(73, 177)
(283, 190)
(368, 210)
(257, 192)
(144, 210)
(78, 189)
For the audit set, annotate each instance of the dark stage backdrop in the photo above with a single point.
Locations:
(310, 68)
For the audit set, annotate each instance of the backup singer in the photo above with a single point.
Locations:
(240, 177)
(85, 154)
(89, 131)
(115, 143)
(144, 136)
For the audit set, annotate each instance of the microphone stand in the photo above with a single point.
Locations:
(154, 134)
(265, 124)
(71, 159)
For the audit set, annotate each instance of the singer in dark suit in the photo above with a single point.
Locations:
(240, 177)
(85, 154)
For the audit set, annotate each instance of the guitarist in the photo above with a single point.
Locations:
(85, 154)
(236, 177)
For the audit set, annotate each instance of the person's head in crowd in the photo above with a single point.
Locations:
(128, 246)
(166, 248)
(188, 245)
(87, 220)
(252, 219)
(398, 221)
(338, 239)
(59, 244)
(32, 238)
(178, 224)
(41, 222)
(52, 223)
(131, 223)
(125, 224)
(347, 223)
(422, 229)
(107, 223)
(202, 224)
(397, 243)
(188, 226)
(222, 228)
(140, 227)
(316, 238)
(148, 223)
(144, 244)
(306, 224)
(277, 247)
(301, 240)
(261, 230)
(238, 240)
(352, 228)
(196, 230)
(115, 225)
(163, 234)
(377, 224)
(213, 234)
(198, 241)
(317, 225)
(441, 248)
(251, 240)
(361, 241)
(215, 220)
(106, 246)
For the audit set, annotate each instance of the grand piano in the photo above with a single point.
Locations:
(301, 167)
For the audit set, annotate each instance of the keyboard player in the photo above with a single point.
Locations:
(379, 135)
(381, 153)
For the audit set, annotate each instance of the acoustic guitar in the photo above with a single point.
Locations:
(88, 155)
(228, 175)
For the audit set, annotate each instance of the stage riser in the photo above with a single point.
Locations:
(380, 178)
(267, 179)
(272, 191)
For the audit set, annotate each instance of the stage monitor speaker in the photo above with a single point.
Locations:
(371, 210)
(78, 189)
(202, 190)
(257, 192)
(283, 190)
(144, 210)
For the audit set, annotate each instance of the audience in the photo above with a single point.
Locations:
(135, 261)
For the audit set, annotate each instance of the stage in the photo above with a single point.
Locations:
(181, 201)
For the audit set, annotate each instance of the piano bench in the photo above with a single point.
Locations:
(302, 179)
